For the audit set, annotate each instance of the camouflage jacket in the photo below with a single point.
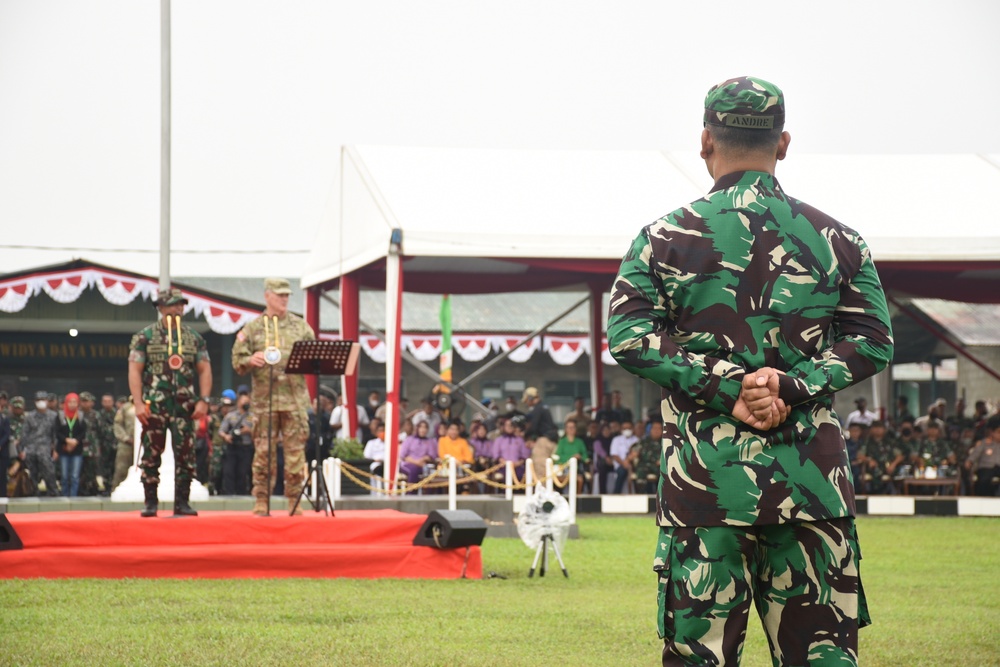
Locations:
(289, 391)
(743, 278)
(648, 460)
(159, 381)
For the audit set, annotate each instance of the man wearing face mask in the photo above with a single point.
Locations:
(237, 431)
(621, 445)
(37, 447)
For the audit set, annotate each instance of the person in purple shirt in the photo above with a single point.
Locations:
(417, 451)
(482, 451)
(511, 447)
(603, 463)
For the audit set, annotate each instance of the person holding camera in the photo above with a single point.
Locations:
(237, 432)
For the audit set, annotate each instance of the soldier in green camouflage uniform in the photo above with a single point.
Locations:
(645, 456)
(105, 434)
(285, 396)
(91, 446)
(164, 396)
(881, 455)
(750, 309)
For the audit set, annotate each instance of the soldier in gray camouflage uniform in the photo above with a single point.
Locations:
(163, 365)
(750, 309)
(278, 402)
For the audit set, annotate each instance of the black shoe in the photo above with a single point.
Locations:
(151, 501)
(181, 506)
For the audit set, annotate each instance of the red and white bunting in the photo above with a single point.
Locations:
(118, 289)
(122, 291)
(472, 348)
(424, 348)
(565, 350)
(14, 295)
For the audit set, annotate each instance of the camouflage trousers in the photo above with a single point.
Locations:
(154, 440)
(803, 579)
(39, 463)
(291, 430)
(124, 457)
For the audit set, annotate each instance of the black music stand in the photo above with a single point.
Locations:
(320, 357)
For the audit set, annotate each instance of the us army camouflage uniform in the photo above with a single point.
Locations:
(171, 396)
(286, 397)
(745, 278)
(124, 430)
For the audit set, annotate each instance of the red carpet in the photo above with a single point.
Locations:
(366, 544)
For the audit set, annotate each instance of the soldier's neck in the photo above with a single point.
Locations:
(270, 313)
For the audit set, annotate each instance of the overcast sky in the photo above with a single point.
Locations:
(264, 93)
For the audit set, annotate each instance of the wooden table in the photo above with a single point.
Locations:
(941, 485)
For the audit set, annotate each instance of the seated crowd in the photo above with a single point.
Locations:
(74, 445)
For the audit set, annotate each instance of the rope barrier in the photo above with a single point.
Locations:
(428, 482)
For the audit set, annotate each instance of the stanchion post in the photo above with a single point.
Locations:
(509, 480)
(529, 478)
(336, 479)
(548, 474)
(572, 489)
(452, 491)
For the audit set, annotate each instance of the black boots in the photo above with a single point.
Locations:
(151, 502)
(182, 492)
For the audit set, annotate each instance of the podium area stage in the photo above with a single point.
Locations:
(364, 544)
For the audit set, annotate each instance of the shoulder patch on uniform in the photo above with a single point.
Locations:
(241, 336)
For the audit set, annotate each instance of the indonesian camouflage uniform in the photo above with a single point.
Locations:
(105, 434)
(881, 454)
(933, 453)
(170, 395)
(647, 465)
(284, 395)
(91, 452)
(745, 278)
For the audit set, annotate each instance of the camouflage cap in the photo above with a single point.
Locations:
(169, 297)
(87, 396)
(17, 402)
(745, 102)
(277, 285)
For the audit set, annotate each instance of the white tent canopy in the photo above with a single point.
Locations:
(470, 207)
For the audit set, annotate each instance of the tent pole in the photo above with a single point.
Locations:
(312, 319)
(349, 297)
(596, 369)
(394, 327)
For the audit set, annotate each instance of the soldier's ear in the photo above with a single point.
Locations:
(707, 145)
(783, 142)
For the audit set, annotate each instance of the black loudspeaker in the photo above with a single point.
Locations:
(9, 540)
(450, 529)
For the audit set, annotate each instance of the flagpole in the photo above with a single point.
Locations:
(164, 144)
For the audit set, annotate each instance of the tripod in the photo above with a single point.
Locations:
(541, 552)
(322, 500)
(320, 357)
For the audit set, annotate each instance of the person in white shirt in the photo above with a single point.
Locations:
(338, 419)
(375, 450)
(620, 446)
(862, 415)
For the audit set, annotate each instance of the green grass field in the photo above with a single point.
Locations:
(932, 583)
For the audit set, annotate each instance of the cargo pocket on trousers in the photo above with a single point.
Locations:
(864, 617)
(661, 565)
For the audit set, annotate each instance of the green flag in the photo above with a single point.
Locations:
(446, 338)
